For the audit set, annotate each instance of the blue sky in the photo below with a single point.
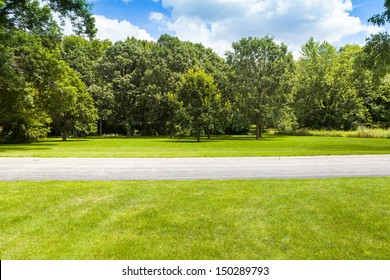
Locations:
(218, 23)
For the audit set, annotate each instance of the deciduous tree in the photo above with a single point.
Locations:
(327, 97)
(261, 82)
(381, 19)
(123, 68)
(30, 16)
(200, 99)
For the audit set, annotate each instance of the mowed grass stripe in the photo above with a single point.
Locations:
(346, 218)
(226, 146)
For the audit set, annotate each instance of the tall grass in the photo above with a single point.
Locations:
(362, 132)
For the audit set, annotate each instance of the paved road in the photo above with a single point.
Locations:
(12, 169)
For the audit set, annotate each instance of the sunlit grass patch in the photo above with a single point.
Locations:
(222, 146)
(238, 219)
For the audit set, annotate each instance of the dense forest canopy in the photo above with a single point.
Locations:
(52, 84)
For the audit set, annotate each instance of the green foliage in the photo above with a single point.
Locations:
(122, 68)
(379, 106)
(173, 58)
(42, 89)
(261, 77)
(30, 16)
(201, 101)
(381, 19)
(33, 76)
(377, 56)
(326, 96)
(172, 108)
(69, 104)
(141, 76)
(103, 100)
(50, 83)
(22, 116)
(82, 55)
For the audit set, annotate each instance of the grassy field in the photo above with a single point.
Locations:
(255, 219)
(233, 146)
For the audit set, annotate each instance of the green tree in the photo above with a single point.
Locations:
(83, 56)
(142, 77)
(68, 102)
(377, 47)
(30, 16)
(379, 104)
(377, 56)
(42, 85)
(104, 102)
(178, 57)
(21, 117)
(22, 114)
(122, 68)
(167, 61)
(377, 59)
(262, 83)
(345, 104)
(174, 58)
(171, 109)
(313, 83)
(200, 99)
(327, 96)
(381, 19)
(29, 39)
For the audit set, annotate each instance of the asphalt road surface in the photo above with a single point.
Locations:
(13, 169)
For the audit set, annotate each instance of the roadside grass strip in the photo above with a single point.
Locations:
(222, 146)
(346, 218)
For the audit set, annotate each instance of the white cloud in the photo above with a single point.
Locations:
(115, 30)
(112, 29)
(155, 16)
(217, 23)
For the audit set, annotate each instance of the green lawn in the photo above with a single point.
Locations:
(233, 146)
(256, 219)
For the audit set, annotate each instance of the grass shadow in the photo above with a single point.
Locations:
(48, 140)
(218, 139)
(250, 138)
(183, 141)
(22, 149)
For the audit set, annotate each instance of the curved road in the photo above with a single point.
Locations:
(12, 169)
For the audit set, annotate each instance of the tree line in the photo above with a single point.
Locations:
(56, 85)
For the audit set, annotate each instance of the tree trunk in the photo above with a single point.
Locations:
(64, 134)
(75, 133)
(199, 136)
(259, 133)
(172, 134)
(209, 134)
(100, 127)
(128, 129)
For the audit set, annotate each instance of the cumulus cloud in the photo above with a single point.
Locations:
(217, 23)
(119, 30)
(112, 29)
